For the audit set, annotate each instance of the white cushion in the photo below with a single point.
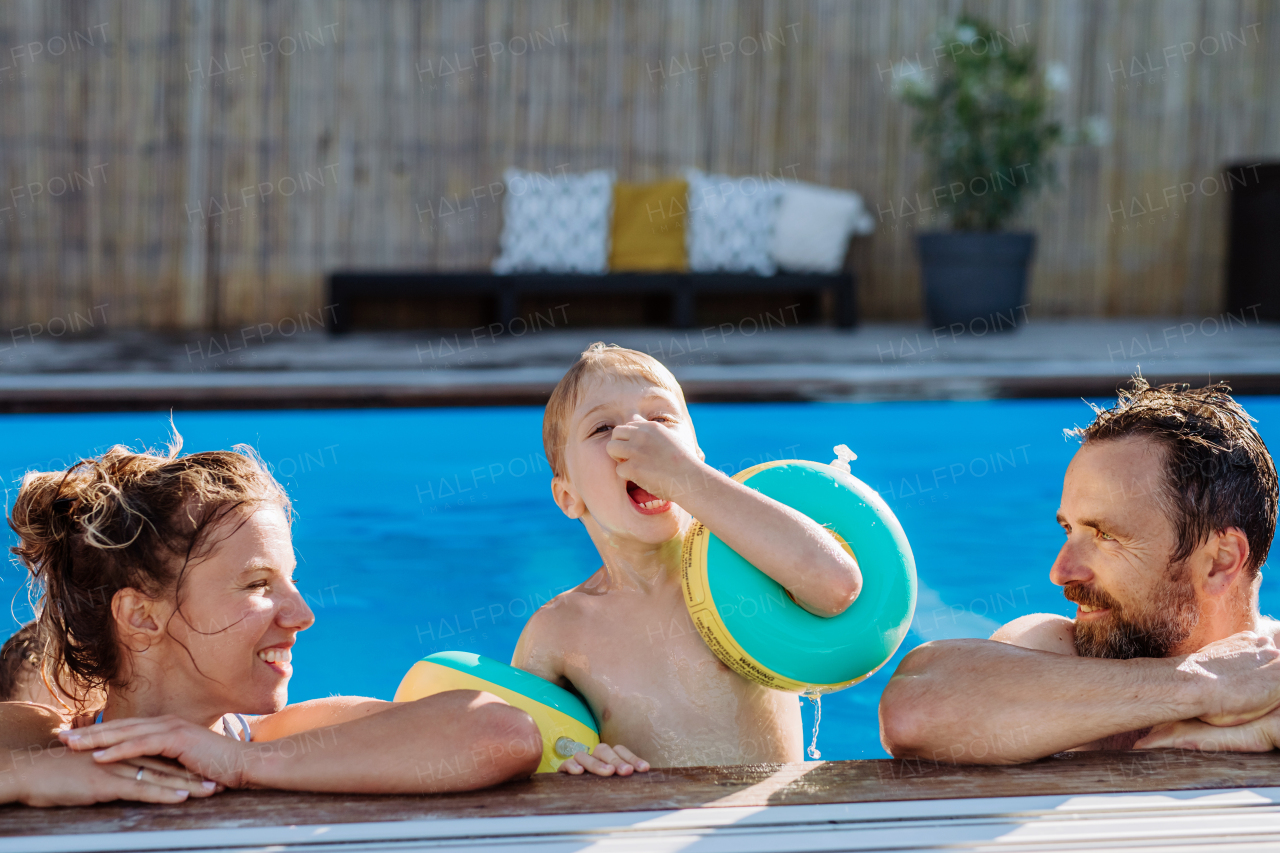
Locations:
(555, 223)
(729, 223)
(813, 224)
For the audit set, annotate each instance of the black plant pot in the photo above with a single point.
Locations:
(975, 279)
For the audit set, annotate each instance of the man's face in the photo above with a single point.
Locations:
(1115, 562)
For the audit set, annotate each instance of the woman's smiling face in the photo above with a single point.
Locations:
(228, 643)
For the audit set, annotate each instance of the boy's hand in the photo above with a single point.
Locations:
(605, 760)
(654, 458)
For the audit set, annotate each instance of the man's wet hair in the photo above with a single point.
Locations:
(19, 660)
(1218, 472)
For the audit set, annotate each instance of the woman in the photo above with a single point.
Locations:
(168, 594)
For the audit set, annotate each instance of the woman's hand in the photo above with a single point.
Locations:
(61, 777)
(605, 760)
(211, 756)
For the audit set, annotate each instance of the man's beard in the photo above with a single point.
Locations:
(1125, 633)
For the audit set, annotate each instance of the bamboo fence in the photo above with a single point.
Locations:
(192, 164)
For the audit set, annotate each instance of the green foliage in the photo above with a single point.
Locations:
(983, 124)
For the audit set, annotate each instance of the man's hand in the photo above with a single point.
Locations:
(1239, 678)
(654, 458)
(605, 760)
(1260, 735)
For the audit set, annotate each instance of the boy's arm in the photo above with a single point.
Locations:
(540, 651)
(785, 544)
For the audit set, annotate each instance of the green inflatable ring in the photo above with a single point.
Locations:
(754, 627)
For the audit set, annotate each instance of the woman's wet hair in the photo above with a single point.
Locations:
(124, 520)
(1218, 472)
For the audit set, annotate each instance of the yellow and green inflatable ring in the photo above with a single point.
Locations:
(565, 721)
(754, 627)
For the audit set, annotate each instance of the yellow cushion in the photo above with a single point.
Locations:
(648, 227)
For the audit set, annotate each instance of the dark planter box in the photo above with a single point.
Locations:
(972, 278)
(1253, 258)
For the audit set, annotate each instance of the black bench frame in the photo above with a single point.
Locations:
(346, 288)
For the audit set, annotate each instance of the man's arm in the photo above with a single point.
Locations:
(994, 702)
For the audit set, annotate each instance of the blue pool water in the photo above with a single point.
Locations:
(424, 530)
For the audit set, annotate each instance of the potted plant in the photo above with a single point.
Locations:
(982, 121)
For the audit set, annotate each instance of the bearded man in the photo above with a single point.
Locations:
(1169, 508)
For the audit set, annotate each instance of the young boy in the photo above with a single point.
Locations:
(626, 462)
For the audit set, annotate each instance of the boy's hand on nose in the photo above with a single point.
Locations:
(653, 457)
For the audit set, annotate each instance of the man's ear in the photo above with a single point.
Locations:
(567, 498)
(137, 618)
(1228, 552)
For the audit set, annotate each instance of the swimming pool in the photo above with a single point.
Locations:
(421, 530)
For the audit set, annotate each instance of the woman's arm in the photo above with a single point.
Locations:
(36, 769)
(314, 714)
(456, 741)
(24, 723)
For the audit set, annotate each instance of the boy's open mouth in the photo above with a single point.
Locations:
(644, 502)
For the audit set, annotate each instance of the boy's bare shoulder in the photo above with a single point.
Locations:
(554, 628)
(564, 612)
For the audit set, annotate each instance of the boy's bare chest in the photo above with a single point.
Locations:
(647, 667)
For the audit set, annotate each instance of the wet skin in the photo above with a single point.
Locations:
(623, 638)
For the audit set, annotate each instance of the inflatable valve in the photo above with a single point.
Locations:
(843, 457)
(567, 747)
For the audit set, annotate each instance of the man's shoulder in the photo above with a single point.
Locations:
(1046, 632)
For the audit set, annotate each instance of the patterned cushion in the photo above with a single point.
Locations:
(730, 223)
(813, 224)
(555, 223)
(648, 227)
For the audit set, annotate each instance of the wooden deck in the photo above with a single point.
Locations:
(1054, 358)
(700, 800)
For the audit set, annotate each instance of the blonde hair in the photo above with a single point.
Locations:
(597, 360)
(122, 520)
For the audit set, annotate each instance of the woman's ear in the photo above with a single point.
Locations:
(137, 618)
(567, 498)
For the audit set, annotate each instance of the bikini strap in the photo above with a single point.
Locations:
(243, 734)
